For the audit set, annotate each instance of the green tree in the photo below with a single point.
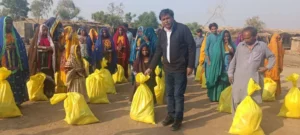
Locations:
(113, 17)
(40, 8)
(66, 10)
(256, 22)
(112, 20)
(128, 17)
(194, 26)
(147, 19)
(15, 8)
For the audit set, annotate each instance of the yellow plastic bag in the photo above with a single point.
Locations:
(269, 90)
(95, 88)
(159, 89)
(225, 100)
(291, 105)
(119, 76)
(58, 98)
(142, 106)
(108, 80)
(198, 73)
(76, 109)
(60, 86)
(35, 87)
(8, 107)
(203, 81)
(86, 66)
(248, 114)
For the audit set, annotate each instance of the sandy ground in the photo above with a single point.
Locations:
(201, 117)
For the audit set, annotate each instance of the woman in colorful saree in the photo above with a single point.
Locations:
(42, 58)
(75, 72)
(140, 65)
(93, 36)
(13, 56)
(229, 48)
(70, 38)
(105, 48)
(135, 47)
(277, 49)
(122, 46)
(216, 73)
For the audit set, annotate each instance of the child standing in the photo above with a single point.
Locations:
(141, 64)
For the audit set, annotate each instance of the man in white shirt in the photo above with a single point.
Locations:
(177, 46)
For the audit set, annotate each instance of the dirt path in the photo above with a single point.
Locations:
(40, 118)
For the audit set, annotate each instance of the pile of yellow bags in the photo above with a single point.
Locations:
(95, 88)
(248, 115)
(159, 89)
(108, 81)
(8, 107)
(119, 76)
(269, 90)
(225, 101)
(291, 105)
(76, 109)
(142, 107)
(35, 87)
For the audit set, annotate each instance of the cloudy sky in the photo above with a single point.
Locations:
(282, 14)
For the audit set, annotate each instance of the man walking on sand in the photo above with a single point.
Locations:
(177, 46)
(248, 62)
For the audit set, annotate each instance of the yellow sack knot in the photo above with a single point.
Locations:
(142, 107)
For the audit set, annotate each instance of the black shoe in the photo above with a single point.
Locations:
(168, 121)
(177, 125)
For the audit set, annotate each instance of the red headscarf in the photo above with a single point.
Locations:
(126, 42)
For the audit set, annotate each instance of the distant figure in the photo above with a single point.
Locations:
(177, 46)
(122, 46)
(276, 48)
(128, 33)
(135, 46)
(198, 40)
(105, 48)
(248, 62)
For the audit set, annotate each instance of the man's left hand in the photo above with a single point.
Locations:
(262, 69)
(189, 71)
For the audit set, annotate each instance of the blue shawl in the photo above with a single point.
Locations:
(152, 37)
(99, 47)
(55, 26)
(20, 46)
(133, 51)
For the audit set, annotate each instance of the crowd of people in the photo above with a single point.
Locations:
(67, 56)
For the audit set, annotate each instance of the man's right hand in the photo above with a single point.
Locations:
(148, 71)
(231, 80)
